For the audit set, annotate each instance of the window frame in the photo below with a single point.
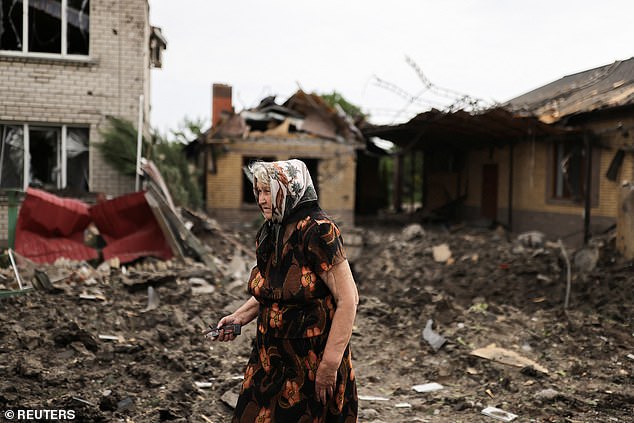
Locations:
(551, 175)
(62, 156)
(64, 39)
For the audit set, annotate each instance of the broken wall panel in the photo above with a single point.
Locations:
(129, 228)
(50, 227)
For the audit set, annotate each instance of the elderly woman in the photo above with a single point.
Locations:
(305, 299)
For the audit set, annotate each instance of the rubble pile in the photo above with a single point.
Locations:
(124, 342)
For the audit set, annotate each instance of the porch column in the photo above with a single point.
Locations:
(397, 198)
(588, 190)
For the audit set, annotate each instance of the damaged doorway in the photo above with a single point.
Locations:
(489, 201)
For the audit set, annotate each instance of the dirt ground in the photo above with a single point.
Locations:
(96, 344)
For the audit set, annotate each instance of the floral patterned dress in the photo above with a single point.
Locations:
(295, 315)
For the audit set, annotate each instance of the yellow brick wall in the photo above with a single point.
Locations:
(336, 173)
(531, 172)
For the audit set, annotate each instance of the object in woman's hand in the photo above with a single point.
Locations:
(233, 328)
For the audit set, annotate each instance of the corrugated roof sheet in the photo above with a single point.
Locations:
(50, 227)
(129, 228)
(606, 86)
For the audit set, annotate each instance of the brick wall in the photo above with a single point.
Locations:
(336, 176)
(531, 180)
(57, 91)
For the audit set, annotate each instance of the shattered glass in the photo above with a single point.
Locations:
(77, 27)
(11, 25)
(11, 156)
(77, 159)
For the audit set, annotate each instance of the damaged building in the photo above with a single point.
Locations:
(304, 127)
(64, 67)
(552, 159)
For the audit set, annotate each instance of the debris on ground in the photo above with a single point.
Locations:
(124, 355)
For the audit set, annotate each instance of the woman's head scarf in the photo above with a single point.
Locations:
(291, 186)
(293, 196)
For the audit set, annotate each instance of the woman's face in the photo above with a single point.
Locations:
(264, 200)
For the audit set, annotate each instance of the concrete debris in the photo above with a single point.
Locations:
(434, 339)
(152, 299)
(585, 260)
(532, 239)
(230, 397)
(499, 414)
(441, 253)
(372, 398)
(428, 387)
(546, 395)
(161, 368)
(413, 231)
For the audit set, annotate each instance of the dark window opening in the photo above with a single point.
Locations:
(247, 186)
(569, 173)
(11, 25)
(45, 26)
(77, 159)
(77, 27)
(313, 165)
(44, 150)
(11, 156)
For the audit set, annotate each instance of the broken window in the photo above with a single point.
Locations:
(11, 156)
(77, 31)
(11, 25)
(77, 159)
(53, 26)
(570, 170)
(58, 157)
(45, 157)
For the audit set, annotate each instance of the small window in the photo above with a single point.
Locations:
(247, 186)
(45, 26)
(11, 156)
(45, 31)
(77, 159)
(11, 31)
(570, 167)
(45, 153)
(77, 30)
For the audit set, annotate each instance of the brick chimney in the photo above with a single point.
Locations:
(220, 102)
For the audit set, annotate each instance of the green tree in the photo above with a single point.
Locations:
(352, 110)
(119, 150)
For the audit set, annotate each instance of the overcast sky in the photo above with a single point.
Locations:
(488, 49)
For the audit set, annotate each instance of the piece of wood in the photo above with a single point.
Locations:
(504, 356)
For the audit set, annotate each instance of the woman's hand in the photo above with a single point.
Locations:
(222, 336)
(325, 381)
(243, 315)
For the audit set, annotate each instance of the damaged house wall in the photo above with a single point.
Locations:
(527, 164)
(100, 68)
(335, 177)
(304, 128)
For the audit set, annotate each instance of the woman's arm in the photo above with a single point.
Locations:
(243, 315)
(341, 283)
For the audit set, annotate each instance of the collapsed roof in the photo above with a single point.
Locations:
(302, 115)
(462, 130)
